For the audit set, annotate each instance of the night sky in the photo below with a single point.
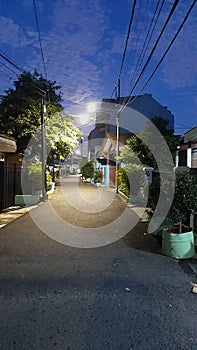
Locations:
(83, 43)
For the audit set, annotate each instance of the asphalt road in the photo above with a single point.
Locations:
(54, 296)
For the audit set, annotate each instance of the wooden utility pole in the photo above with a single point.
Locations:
(43, 142)
(117, 132)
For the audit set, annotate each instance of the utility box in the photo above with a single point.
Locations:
(148, 175)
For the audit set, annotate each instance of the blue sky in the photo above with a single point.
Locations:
(83, 42)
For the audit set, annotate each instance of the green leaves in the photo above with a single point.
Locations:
(62, 137)
(20, 116)
(185, 197)
(136, 151)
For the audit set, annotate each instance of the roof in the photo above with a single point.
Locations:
(7, 144)
(191, 135)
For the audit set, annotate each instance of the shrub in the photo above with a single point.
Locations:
(98, 176)
(34, 176)
(130, 179)
(88, 170)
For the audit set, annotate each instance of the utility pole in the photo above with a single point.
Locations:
(43, 143)
(117, 131)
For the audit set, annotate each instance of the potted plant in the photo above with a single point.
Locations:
(178, 239)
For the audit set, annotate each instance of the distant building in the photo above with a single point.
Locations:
(102, 139)
(145, 104)
(187, 152)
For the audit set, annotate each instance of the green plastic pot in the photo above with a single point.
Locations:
(178, 245)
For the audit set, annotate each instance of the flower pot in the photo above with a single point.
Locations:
(178, 245)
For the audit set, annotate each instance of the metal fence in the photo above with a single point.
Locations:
(10, 183)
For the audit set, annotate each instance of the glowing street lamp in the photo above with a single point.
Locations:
(91, 107)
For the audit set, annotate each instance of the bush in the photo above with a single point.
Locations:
(98, 176)
(88, 170)
(184, 200)
(33, 176)
(131, 179)
(185, 197)
(123, 181)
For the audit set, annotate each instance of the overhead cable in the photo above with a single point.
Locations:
(126, 44)
(40, 91)
(155, 46)
(148, 38)
(163, 56)
(39, 38)
(146, 42)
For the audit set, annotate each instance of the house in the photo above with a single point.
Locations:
(7, 147)
(10, 171)
(133, 119)
(187, 151)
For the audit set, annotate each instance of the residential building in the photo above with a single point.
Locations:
(187, 151)
(7, 147)
(102, 139)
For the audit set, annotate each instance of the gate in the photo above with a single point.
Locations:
(10, 183)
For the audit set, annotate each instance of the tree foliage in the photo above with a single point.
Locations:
(185, 197)
(20, 115)
(62, 136)
(136, 151)
(87, 170)
(20, 107)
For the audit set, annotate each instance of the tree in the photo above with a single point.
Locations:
(136, 151)
(20, 110)
(88, 170)
(62, 136)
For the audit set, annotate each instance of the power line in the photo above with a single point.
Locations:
(146, 42)
(154, 47)
(10, 62)
(126, 44)
(39, 38)
(8, 68)
(39, 90)
(165, 53)
(181, 95)
(148, 38)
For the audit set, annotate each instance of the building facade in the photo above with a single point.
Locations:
(102, 139)
(187, 151)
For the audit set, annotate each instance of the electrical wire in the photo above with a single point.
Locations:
(147, 39)
(163, 56)
(39, 90)
(126, 44)
(10, 62)
(181, 95)
(39, 38)
(146, 42)
(8, 68)
(138, 25)
(154, 47)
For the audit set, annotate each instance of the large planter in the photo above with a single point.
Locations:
(178, 245)
(27, 199)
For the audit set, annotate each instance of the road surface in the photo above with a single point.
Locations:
(114, 297)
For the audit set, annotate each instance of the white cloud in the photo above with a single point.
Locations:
(10, 32)
(71, 48)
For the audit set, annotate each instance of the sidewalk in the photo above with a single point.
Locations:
(12, 213)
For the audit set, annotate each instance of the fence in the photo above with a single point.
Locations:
(10, 183)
